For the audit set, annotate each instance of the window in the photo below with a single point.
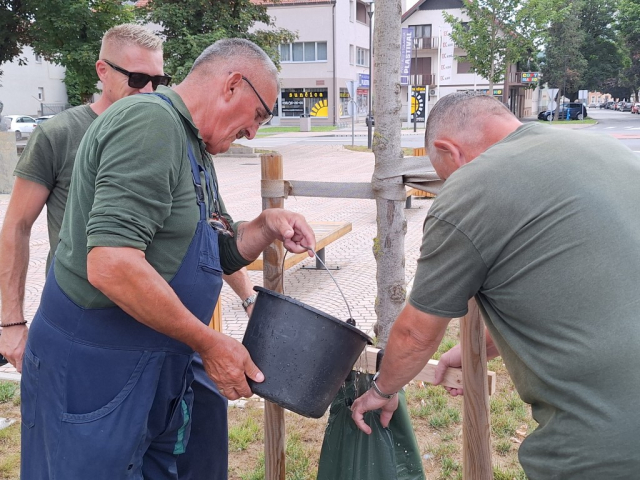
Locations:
(285, 52)
(362, 57)
(361, 13)
(344, 102)
(464, 66)
(308, 101)
(41, 94)
(303, 52)
(38, 58)
(421, 31)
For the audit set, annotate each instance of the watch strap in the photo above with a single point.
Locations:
(249, 301)
(374, 385)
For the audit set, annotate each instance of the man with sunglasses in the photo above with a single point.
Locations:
(144, 242)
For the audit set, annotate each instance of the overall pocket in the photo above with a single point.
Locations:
(29, 385)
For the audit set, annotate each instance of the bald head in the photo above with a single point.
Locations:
(462, 125)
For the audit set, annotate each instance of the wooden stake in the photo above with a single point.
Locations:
(274, 426)
(476, 430)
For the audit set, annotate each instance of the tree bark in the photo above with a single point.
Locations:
(388, 245)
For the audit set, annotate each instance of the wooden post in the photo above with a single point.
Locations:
(216, 318)
(476, 430)
(274, 427)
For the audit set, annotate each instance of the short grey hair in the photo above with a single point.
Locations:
(457, 112)
(130, 34)
(235, 53)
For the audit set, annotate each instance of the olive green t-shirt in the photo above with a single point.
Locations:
(48, 160)
(132, 187)
(544, 228)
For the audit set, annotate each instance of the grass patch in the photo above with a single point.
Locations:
(586, 121)
(248, 431)
(268, 131)
(8, 390)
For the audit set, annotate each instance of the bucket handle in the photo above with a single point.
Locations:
(350, 321)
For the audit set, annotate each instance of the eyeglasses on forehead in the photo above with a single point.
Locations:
(139, 80)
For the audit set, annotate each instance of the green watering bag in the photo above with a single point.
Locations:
(350, 454)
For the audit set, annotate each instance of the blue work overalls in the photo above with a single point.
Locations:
(105, 397)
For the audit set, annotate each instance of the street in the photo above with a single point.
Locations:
(621, 125)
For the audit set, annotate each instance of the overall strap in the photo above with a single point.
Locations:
(196, 168)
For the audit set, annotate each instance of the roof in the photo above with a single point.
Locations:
(432, 5)
(289, 2)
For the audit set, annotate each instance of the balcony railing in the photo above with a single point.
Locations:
(426, 43)
(427, 80)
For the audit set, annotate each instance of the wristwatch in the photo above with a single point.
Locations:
(374, 385)
(249, 301)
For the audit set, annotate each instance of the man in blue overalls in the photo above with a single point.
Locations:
(108, 363)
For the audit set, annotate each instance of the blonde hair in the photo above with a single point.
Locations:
(129, 34)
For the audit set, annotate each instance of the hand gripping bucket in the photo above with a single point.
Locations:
(305, 354)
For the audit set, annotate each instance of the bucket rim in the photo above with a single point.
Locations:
(314, 310)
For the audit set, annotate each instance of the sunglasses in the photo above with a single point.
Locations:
(140, 80)
(269, 115)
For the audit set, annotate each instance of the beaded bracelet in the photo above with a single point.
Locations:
(24, 322)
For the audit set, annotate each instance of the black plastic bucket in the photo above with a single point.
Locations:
(305, 354)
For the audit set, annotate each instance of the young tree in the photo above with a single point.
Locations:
(192, 25)
(498, 33)
(388, 247)
(69, 32)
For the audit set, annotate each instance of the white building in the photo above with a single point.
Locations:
(435, 78)
(24, 89)
(332, 49)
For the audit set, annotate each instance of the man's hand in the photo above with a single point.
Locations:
(12, 343)
(228, 363)
(452, 358)
(372, 401)
(275, 224)
(291, 228)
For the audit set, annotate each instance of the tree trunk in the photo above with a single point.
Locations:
(388, 245)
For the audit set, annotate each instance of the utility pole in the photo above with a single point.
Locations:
(369, 116)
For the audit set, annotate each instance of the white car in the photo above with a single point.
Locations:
(20, 124)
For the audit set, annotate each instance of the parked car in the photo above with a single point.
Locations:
(21, 125)
(575, 110)
(625, 106)
(44, 118)
(635, 108)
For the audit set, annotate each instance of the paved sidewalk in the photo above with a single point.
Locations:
(240, 187)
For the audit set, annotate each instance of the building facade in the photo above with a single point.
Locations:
(332, 49)
(438, 67)
(31, 88)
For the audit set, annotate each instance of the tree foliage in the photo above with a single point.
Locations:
(192, 25)
(563, 66)
(14, 30)
(498, 33)
(600, 47)
(629, 25)
(69, 32)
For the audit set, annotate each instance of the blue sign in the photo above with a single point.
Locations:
(363, 80)
(405, 62)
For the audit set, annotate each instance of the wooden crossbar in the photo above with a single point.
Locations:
(453, 377)
(325, 232)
